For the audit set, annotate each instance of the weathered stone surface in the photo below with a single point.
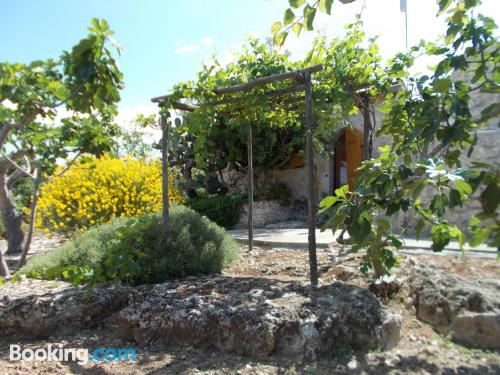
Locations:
(244, 315)
(260, 317)
(63, 310)
(264, 213)
(469, 310)
(480, 328)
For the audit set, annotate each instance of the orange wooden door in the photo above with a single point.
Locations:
(354, 148)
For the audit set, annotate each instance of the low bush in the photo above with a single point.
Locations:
(131, 250)
(98, 190)
(224, 210)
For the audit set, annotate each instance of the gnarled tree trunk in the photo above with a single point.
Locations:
(12, 219)
(31, 228)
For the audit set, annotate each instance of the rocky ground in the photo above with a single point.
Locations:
(261, 317)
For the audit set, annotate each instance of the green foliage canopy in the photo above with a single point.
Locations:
(433, 128)
(53, 108)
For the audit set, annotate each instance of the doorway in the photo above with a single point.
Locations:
(348, 154)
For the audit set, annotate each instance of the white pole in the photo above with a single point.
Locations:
(403, 6)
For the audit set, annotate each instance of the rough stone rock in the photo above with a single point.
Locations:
(390, 332)
(467, 309)
(244, 315)
(265, 213)
(261, 317)
(65, 310)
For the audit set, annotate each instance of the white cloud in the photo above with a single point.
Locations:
(206, 41)
(186, 49)
(226, 57)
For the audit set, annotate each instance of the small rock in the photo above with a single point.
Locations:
(352, 365)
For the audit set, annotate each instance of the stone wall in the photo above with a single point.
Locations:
(264, 213)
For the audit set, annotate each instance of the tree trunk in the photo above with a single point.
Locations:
(11, 218)
(31, 228)
(367, 129)
(4, 270)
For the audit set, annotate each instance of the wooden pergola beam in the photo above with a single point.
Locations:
(161, 100)
(297, 75)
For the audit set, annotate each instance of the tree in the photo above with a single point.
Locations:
(432, 128)
(50, 110)
(135, 140)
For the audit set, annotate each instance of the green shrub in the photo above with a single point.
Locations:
(224, 210)
(87, 251)
(131, 250)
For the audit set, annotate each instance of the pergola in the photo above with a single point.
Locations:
(300, 82)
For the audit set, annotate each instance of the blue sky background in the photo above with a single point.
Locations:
(164, 41)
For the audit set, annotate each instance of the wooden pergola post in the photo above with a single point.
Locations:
(311, 202)
(164, 174)
(250, 187)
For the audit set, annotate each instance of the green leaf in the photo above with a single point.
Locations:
(297, 28)
(347, 1)
(438, 204)
(309, 14)
(328, 202)
(463, 188)
(455, 198)
(276, 27)
(359, 223)
(289, 16)
(280, 38)
(296, 3)
(419, 228)
(342, 191)
(418, 187)
(490, 198)
(442, 85)
(479, 236)
(325, 6)
(440, 235)
(443, 5)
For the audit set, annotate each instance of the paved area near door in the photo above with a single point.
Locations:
(297, 239)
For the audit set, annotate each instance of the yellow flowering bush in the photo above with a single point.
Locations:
(99, 189)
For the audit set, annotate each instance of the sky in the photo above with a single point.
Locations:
(165, 41)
